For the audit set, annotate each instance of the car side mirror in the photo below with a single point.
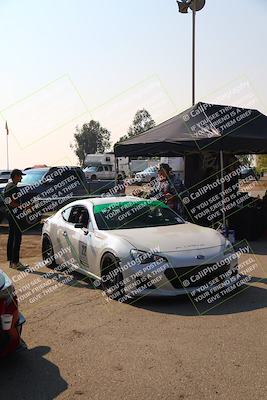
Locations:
(82, 227)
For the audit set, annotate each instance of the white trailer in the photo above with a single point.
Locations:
(103, 166)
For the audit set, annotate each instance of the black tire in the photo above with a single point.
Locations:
(93, 177)
(113, 286)
(48, 252)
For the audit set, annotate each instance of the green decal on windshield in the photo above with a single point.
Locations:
(124, 205)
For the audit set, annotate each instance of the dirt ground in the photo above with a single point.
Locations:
(82, 347)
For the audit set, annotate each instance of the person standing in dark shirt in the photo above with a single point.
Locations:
(13, 205)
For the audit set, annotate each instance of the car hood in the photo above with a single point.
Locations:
(172, 238)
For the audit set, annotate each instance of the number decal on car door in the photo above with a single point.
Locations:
(83, 254)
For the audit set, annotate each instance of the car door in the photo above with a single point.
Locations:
(60, 237)
(79, 239)
(107, 172)
(100, 172)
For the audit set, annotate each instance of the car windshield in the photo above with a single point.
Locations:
(91, 169)
(32, 177)
(135, 214)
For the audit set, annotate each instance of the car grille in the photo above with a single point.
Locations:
(178, 275)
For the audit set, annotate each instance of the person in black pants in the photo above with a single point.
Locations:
(13, 206)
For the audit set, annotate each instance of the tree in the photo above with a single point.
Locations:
(141, 123)
(91, 138)
(262, 162)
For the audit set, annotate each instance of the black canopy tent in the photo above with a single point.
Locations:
(202, 128)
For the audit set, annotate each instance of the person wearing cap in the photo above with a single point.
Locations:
(13, 206)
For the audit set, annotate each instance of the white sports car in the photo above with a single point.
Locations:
(133, 246)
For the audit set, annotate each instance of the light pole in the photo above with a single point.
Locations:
(197, 5)
(194, 5)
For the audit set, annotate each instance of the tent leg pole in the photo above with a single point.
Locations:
(194, 54)
(222, 189)
(116, 170)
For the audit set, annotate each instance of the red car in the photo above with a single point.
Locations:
(11, 320)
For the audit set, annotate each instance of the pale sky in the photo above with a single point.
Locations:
(64, 62)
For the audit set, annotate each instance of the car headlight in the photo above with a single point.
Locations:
(228, 249)
(143, 257)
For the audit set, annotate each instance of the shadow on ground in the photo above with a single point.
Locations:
(250, 298)
(29, 375)
(79, 281)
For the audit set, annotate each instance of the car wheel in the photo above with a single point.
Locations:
(48, 252)
(111, 278)
(93, 177)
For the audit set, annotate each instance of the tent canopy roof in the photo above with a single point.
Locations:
(204, 127)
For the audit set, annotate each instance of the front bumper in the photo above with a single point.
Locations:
(164, 280)
(10, 340)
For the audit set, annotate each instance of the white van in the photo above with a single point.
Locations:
(100, 172)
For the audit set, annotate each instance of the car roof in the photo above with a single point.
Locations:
(44, 169)
(105, 200)
(36, 169)
(119, 199)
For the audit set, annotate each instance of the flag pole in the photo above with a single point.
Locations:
(194, 53)
(7, 149)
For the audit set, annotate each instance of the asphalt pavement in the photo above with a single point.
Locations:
(82, 347)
